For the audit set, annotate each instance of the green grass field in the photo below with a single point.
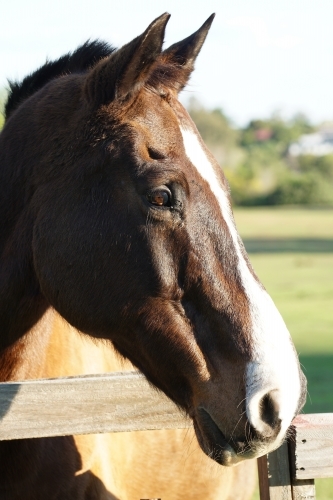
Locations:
(292, 252)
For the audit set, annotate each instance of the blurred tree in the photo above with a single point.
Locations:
(301, 189)
(322, 165)
(256, 162)
(277, 130)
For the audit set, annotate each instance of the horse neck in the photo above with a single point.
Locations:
(26, 357)
(72, 353)
(53, 348)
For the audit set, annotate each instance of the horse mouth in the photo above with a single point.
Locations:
(215, 444)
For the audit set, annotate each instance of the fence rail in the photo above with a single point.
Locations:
(121, 402)
(115, 402)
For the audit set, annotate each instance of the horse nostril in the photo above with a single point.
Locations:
(269, 410)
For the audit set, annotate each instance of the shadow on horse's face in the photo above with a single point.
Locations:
(134, 241)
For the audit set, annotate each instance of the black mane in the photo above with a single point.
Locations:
(84, 57)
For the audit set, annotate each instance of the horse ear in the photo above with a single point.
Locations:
(127, 69)
(181, 56)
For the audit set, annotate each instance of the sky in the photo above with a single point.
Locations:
(260, 57)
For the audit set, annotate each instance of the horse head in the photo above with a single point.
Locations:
(131, 238)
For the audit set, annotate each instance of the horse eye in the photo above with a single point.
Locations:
(160, 198)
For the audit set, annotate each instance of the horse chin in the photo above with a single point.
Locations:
(213, 442)
(229, 451)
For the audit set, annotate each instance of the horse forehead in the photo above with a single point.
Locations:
(160, 123)
(155, 120)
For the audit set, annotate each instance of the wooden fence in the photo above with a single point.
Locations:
(289, 473)
(125, 402)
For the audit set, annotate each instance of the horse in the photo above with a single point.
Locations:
(119, 249)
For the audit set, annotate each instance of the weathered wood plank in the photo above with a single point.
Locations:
(276, 467)
(83, 405)
(279, 474)
(312, 446)
(303, 490)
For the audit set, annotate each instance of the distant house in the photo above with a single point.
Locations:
(263, 134)
(317, 144)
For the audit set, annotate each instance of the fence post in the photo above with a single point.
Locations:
(302, 489)
(276, 478)
(274, 475)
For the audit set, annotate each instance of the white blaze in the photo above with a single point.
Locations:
(274, 366)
